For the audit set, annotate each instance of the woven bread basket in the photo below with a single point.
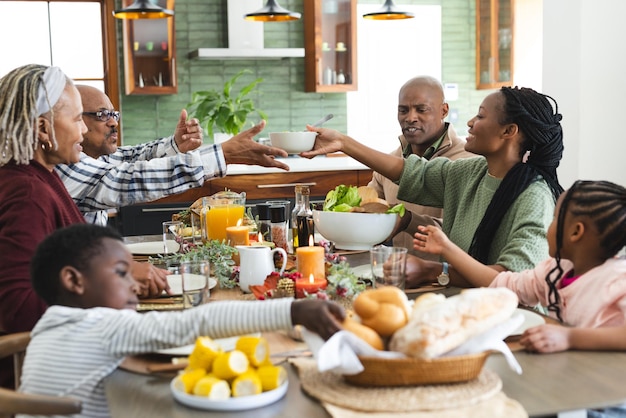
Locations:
(412, 371)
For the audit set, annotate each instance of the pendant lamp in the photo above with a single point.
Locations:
(143, 9)
(389, 11)
(272, 12)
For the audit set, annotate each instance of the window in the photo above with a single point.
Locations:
(389, 54)
(78, 36)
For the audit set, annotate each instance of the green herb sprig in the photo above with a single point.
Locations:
(218, 253)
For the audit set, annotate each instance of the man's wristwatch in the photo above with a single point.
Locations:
(444, 278)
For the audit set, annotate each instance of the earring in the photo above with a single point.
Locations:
(48, 147)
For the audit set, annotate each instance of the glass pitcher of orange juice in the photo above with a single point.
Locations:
(219, 211)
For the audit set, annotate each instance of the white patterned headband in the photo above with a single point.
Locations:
(50, 90)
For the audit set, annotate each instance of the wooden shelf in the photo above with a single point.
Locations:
(494, 43)
(150, 54)
(330, 45)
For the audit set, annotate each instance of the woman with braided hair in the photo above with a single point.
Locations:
(582, 283)
(497, 206)
(41, 125)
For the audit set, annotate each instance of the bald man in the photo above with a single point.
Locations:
(421, 113)
(108, 176)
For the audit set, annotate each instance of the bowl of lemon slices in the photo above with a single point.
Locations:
(235, 380)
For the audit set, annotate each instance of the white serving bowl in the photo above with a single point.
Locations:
(293, 142)
(354, 230)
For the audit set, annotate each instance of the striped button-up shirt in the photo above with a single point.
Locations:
(135, 174)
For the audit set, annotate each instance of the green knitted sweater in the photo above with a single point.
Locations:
(464, 190)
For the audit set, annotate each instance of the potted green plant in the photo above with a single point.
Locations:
(225, 111)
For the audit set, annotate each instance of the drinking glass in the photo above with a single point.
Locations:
(388, 266)
(172, 236)
(195, 282)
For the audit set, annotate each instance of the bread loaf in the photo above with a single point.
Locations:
(440, 326)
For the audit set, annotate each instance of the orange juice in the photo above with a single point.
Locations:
(218, 218)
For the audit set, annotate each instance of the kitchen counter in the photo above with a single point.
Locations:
(300, 165)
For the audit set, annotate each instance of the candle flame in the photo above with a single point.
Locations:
(239, 221)
(311, 241)
(260, 237)
(311, 278)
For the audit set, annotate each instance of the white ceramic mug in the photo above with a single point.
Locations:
(256, 263)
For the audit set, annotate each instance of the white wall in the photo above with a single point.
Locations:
(528, 35)
(390, 53)
(584, 68)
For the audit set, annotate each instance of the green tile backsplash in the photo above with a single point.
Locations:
(202, 24)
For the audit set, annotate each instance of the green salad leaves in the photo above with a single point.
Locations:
(344, 198)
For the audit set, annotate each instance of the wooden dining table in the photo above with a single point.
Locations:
(550, 385)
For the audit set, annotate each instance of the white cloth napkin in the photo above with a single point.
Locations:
(340, 353)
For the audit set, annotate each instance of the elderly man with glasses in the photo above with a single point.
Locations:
(108, 176)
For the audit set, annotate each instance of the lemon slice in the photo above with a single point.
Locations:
(213, 388)
(271, 377)
(191, 377)
(229, 365)
(247, 384)
(255, 348)
(203, 354)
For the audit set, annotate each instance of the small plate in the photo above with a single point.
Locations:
(363, 272)
(227, 344)
(531, 319)
(232, 404)
(152, 247)
(176, 284)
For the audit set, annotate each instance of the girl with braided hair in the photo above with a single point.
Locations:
(496, 206)
(582, 283)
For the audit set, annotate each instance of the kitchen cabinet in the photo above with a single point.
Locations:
(330, 46)
(150, 54)
(273, 186)
(494, 43)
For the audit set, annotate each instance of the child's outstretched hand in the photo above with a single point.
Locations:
(546, 338)
(430, 239)
(320, 316)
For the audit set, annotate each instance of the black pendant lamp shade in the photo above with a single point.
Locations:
(143, 9)
(272, 12)
(389, 11)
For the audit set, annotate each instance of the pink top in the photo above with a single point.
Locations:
(595, 299)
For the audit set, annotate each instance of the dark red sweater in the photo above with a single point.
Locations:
(33, 203)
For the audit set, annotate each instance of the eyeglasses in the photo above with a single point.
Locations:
(104, 115)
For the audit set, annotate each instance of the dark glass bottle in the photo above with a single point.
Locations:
(305, 219)
(294, 217)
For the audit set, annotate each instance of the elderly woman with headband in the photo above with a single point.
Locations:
(41, 125)
(497, 207)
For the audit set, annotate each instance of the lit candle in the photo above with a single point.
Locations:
(310, 261)
(261, 242)
(310, 285)
(237, 235)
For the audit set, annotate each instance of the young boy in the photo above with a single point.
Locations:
(83, 273)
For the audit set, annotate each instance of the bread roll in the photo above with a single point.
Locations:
(446, 325)
(383, 309)
(365, 333)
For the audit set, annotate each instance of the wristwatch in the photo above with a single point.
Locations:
(444, 278)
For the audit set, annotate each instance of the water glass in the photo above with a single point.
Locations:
(172, 236)
(388, 266)
(195, 282)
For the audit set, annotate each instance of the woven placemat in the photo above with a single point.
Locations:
(332, 388)
(498, 406)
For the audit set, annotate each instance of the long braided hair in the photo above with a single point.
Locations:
(604, 203)
(19, 91)
(540, 127)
